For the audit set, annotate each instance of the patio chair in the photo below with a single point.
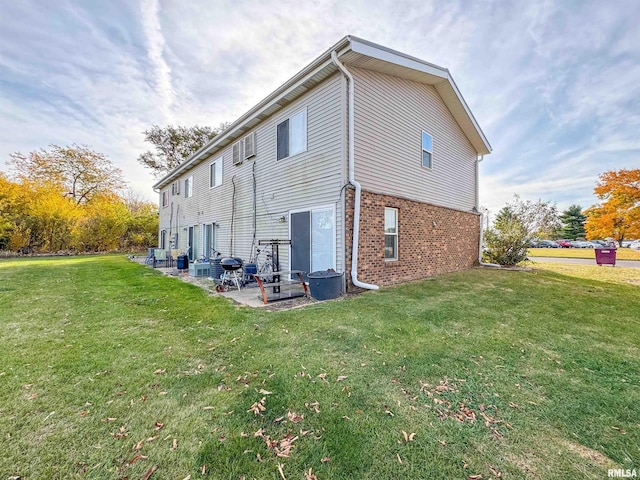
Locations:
(159, 256)
(150, 257)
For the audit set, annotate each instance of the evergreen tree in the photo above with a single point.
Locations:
(573, 222)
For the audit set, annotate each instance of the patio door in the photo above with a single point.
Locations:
(313, 240)
(193, 242)
(209, 243)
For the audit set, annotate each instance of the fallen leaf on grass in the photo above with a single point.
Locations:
(244, 435)
(474, 477)
(150, 472)
(258, 407)
(160, 371)
(387, 411)
(84, 413)
(208, 408)
(138, 445)
(281, 472)
(158, 425)
(622, 432)
(310, 475)
(137, 457)
(264, 392)
(294, 417)
(315, 406)
(151, 439)
(399, 459)
(174, 445)
(325, 459)
(341, 377)
(408, 437)
(188, 477)
(495, 471)
(203, 469)
(108, 419)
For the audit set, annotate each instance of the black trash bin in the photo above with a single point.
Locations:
(325, 285)
(183, 262)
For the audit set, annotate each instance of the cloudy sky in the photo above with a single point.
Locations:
(555, 85)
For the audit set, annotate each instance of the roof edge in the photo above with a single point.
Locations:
(235, 126)
(346, 43)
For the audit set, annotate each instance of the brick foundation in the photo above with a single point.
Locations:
(424, 250)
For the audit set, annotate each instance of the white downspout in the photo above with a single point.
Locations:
(480, 262)
(352, 180)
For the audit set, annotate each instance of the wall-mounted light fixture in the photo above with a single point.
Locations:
(282, 219)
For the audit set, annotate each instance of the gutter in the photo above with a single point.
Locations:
(352, 180)
(480, 262)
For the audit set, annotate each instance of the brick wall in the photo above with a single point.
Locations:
(424, 250)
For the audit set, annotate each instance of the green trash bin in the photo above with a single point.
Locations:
(325, 285)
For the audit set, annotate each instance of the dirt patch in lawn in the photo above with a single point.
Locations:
(586, 453)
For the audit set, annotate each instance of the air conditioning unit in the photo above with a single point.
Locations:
(238, 152)
(250, 145)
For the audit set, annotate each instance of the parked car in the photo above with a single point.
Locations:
(564, 243)
(603, 243)
(582, 244)
(545, 244)
(635, 245)
(627, 243)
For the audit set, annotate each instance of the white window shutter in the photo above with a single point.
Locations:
(238, 154)
(250, 145)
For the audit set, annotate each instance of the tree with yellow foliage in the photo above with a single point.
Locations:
(76, 169)
(618, 216)
(69, 199)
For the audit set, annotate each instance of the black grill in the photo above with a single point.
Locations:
(231, 263)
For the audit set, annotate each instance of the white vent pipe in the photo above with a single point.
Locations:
(352, 180)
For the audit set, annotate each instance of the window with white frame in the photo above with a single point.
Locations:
(165, 198)
(215, 173)
(188, 187)
(292, 135)
(427, 150)
(391, 234)
(163, 239)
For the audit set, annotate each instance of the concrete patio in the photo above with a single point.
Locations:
(249, 295)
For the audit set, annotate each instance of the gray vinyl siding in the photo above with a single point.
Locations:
(309, 179)
(390, 114)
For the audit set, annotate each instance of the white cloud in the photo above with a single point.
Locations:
(150, 11)
(556, 87)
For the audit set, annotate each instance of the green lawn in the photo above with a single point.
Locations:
(109, 370)
(621, 253)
